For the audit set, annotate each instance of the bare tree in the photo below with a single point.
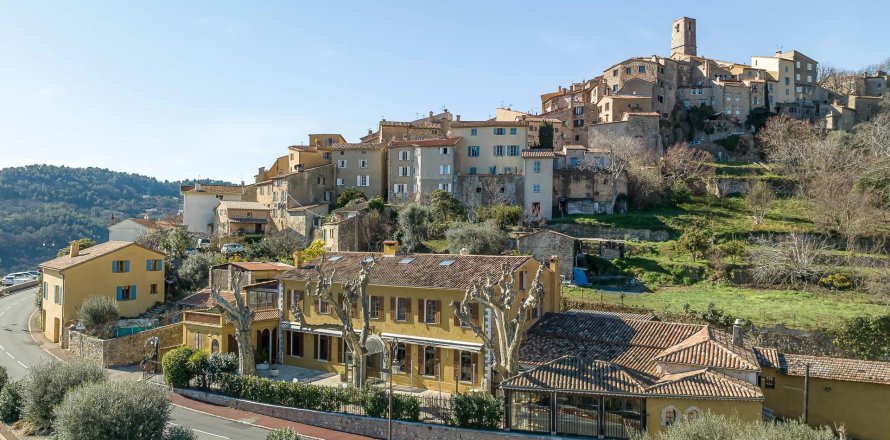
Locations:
(241, 317)
(492, 191)
(836, 80)
(499, 298)
(791, 260)
(623, 151)
(839, 207)
(353, 301)
(759, 198)
(682, 163)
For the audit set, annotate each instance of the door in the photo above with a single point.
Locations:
(56, 328)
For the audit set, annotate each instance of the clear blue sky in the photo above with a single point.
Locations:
(181, 89)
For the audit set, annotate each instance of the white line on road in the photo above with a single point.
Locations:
(20, 363)
(203, 432)
(10, 355)
(1, 348)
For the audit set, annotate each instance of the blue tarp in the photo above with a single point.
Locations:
(580, 277)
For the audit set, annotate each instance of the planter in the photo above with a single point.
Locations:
(263, 366)
(273, 372)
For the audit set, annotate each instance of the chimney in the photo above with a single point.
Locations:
(390, 248)
(554, 263)
(431, 115)
(370, 131)
(737, 338)
(458, 118)
(298, 258)
(74, 249)
(198, 187)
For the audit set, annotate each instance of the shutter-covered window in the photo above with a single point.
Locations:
(438, 311)
(392, 308)
(456, 354)
(114, 266)
(126, 265)
(421, 311)
(133, 291)
(455, 305)
(148, 265)
(120, 293)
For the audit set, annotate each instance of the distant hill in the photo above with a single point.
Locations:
(43, 207)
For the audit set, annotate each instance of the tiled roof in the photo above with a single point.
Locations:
(710, 348)
(234, 204)
(423, 270)
(201, 299)
(574, 147)
(420, 123)
(65, 261)
(303, 147)
(213, 189)
(571, 373)
(537, 153)
(358, 146)
(615, 315)
(705, 383)
(767, 357)
(252, 265)
(462, 124)
(850, 370)
(440, 142)
(152, 224)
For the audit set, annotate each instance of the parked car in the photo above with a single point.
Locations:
(203, 243)
(8, 280)
(17, 278)
(34, 273)
(232, 248)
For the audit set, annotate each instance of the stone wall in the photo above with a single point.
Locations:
(591, 231)
(125, 350)
(475, 190)
(543, 244)
(359, 425)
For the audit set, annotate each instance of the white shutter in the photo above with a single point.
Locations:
(358, 180)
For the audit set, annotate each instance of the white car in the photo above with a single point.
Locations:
(232, 248)
(17, 278)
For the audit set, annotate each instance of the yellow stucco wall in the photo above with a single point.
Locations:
(746, 410)
(857, 406)
(95, 277)
(221, 334)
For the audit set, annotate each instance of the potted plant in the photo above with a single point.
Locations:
(262, 354)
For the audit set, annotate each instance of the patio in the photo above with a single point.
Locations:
(324, 378)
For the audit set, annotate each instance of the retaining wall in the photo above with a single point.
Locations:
(126, 350)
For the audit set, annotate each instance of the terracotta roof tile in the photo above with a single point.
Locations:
(152, 224)
(65, 261)
(251, 265)
(767, 357)
(423, 270)
(705, 383)
(463, 124)
(358, 146)
(439, 142)
(577, 375)
(710, 348)
(213, 189)
(234, 204)
(537, 153)
(616, 315)
(850, 370)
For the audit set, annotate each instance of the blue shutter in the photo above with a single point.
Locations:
(127, 266)
(160, 264)
(120, 293)
(114, 266)
(148, 265)
(133, 291)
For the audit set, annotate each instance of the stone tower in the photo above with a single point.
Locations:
(683, 36)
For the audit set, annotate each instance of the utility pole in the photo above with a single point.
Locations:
(806, 392)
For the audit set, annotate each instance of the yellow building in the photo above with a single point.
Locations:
(130, 274)
(410, 305)
(841, 392)
(601, 374)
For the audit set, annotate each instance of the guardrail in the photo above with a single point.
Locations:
(18, 287)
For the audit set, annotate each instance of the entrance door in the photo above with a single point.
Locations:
(56, 329)
(232, 344)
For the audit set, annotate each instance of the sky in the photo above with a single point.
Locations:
(217, 89)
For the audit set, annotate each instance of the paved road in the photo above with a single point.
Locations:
(18, 352)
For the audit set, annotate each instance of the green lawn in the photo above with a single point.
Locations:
(729, 217)
(437, 246)
(794, 309)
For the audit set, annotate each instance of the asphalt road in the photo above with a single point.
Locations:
(18, 352)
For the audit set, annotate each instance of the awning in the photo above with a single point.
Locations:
(473, 347)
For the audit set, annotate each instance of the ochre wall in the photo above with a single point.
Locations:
(746, 410)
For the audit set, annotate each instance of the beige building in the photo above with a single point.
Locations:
(431, 126)
(199, 203)
(576, 107)
(654, 77)
(326, 140)
(417, 168)
(239, 218)
(534, 125)
(490, 147)
(362, 166)
(791, 76)
(538, 185)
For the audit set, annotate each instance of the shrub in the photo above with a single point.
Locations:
(503, 215)
(219, 364)
(295, 395)
(179, 433)
(412, 223)
(113, 410)
(865, 337)
(49, 382)
(11, 402)
(97, 312)
(284, 434)
(197, 365)
(478, 411)
(836, 281)
(348, 195)
(478, 238)
(375, 402)
(719, 427)
(176, 367)
(4, 377)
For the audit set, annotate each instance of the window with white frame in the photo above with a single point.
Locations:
(404, 171)
(513, 150)
(473, 151)
(444, 151)
(498, 150)
(445, 169)
(399, 188)
(363, 163)
(669, 415)
(536, 166)
(341, 163)
(327, 196)
(363, 180)
(339, 182)
(445, 186)
(500, 131)
(404, 155)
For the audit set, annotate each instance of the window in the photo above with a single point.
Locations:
(787, 81)
(445, 169)
(404, 155)
(472, 170)
(513, 150)
(444, 151)
(404, 171)
(578, 123)
(692, 413)
(500, 131)
(126, 293)
(473, 132)
(154, 265)
(214, 346)
(797, 64)
(660, 98)
(769, 382)
(400, 360)
(738, 96)
(467, 366)
(339, 181)
(327, 196)
(199, 341)
(326, 156)
(492, 170)
(615, 72)
(574, 161)
(669, 416)
(498, 150)
(294, 343)
(614, 89)
(363, 163)
(322, 347)
(445, 186)
(399, 188)
(512, 131)
(642, 69)
(473, 151)
(403, 308)
(120, 266)
(153, 289)
(57, 294)
(429, 360)
(522, 280)
(341, 163)
(363, 180)
(323, 307)
(809, 78)
(628, 70)
(693, 92)
(536, 188)
(508, 170)
(577, 138)
(431, 311)
(578, 110)
(797, 77)
(754, 100)
(536, 166)
(375, 307)
(729, 97)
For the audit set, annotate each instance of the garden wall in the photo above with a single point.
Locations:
(593, 231)
(126, 350)
(360, 425)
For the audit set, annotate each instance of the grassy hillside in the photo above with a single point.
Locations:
(43, 207)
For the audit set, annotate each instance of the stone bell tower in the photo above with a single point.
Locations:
(683, 36)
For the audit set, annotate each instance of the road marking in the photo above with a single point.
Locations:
(26, 367)
(1, 348)
(202, 432)
(10, 355)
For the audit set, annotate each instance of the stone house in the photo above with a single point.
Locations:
(362, 166)
(417, 168)
(238, 218)
(543, 243)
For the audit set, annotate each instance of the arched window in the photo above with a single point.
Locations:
(429, 361)
(214, 346)
(669, 416)
(692, 413)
